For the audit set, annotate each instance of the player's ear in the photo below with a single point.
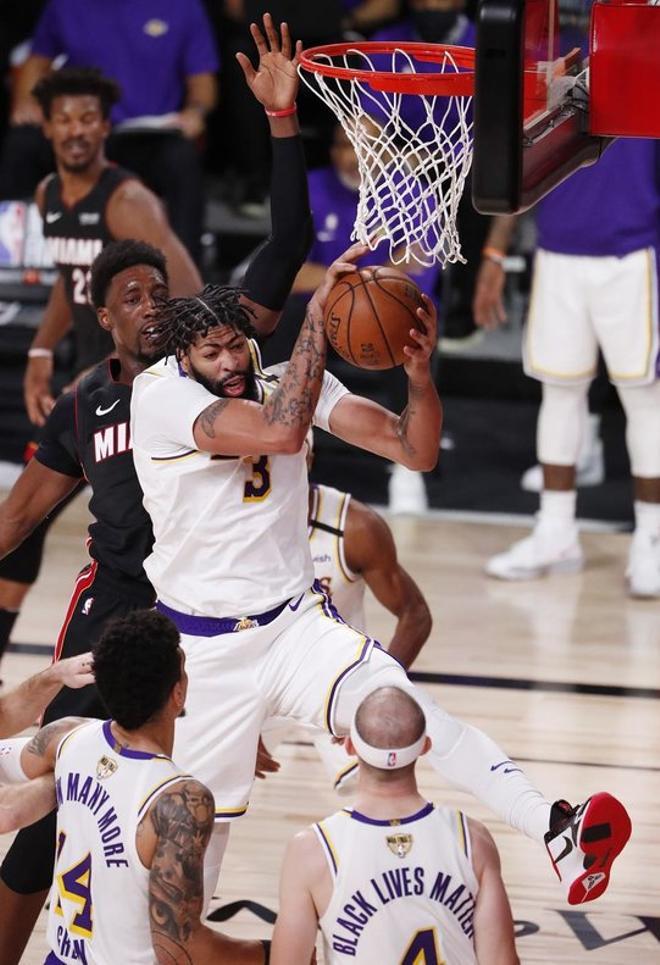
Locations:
(349, 747)
(184, 362)
(426, 747)
(102, 317)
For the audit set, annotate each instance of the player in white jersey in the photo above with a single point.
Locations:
(126, 813)
(353, 548)
(393, 878)
(219, 452)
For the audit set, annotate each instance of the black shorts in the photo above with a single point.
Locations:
(98, 597)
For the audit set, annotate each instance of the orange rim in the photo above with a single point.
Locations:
(458, 83)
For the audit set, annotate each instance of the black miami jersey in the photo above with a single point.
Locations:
(75, 236)
(87, 436)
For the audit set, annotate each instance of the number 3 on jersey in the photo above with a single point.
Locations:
(423, 949)
(258, 485)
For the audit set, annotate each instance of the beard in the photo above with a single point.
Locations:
(216, 386)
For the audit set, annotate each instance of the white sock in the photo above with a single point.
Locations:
(215, 852)
(558, 508)
(462, 754)
(647, 517)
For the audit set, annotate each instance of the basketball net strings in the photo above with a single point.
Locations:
(411, 181)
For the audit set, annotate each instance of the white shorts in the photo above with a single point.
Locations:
(579, 304)
(290, 668)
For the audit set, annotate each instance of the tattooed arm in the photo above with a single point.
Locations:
(413, 438)
(21, 707)
(172, 840)
(26, 802)
(240, 427)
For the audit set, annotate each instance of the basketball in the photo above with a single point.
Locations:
(369, 314)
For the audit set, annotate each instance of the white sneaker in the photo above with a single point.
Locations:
(542, 553)
(407, 491)
(643, 571)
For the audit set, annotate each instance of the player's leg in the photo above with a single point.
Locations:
(27, 868)
(464, 755)
(561, 351)
(627, 324)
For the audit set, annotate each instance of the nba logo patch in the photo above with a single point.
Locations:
(391, 759)
(87, 606)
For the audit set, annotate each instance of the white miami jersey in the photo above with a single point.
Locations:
(99, 901)
(230, 532)
(327, 523)
(404, 890)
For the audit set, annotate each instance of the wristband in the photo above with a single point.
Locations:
(266, 944)
(495, 255)
(286, 112)
(40, 353)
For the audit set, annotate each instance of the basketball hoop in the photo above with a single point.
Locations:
(411, 130)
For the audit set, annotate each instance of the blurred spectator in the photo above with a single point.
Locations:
(365, 16)
(445, 22)
(162, 54)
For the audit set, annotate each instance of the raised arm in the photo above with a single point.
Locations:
(271, 273)
(413, 438)
(494, 939)
(240, 427)
(21, 707)
(371, 552)
(303, 873)
(135, 212)
(180, 823)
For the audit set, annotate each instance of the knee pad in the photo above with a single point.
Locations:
(561, 423)
(642, 407)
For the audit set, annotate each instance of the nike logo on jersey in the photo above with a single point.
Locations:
(52, 216)
(102, 411)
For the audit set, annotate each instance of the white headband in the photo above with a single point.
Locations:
(388, 759)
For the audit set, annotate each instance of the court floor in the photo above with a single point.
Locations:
(564, 673)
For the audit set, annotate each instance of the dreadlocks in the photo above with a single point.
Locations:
(183, 320)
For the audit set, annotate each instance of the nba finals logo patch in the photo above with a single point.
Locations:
(391, 759)
(106, 767)
(400, 844)
(87, 606)
(155, 27)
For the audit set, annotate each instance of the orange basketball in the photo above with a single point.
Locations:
(369, 314)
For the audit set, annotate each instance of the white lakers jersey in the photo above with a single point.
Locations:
(99, 902)
(404, 890)
(327, 522)
(230, 532)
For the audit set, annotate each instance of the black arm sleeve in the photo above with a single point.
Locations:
(58, 449)
(278, 260)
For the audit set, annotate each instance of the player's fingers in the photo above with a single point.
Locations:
(246, 66)
(356, 250)
(271, 33)
(299, 48)
(286, 39)
(258, 38)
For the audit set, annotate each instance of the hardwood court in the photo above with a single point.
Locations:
(503, 656)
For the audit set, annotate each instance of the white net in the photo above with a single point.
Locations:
(414, 153)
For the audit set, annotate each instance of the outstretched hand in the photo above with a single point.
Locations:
(275, 81)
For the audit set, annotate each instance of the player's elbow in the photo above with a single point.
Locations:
(287, 440)
(10, 818)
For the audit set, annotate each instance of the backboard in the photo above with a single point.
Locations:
(531, 100)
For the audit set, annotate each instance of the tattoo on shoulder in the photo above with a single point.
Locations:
(209, 415)
(182, 819)
(45, 735)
